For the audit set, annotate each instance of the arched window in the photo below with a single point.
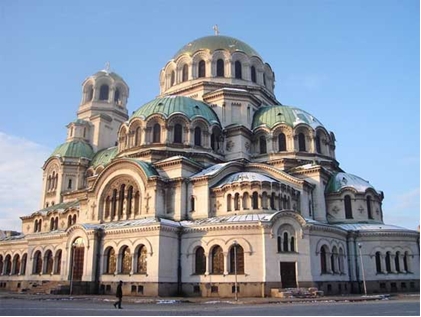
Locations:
(51, 224)
(126, 260)
(185, 75)
(141, 260)
(220, 68)
(285, 242)
(301, 142)
(262, 143)
(341, 260)
(237, 257)
(48, 258)
(217, 260)
(397, 264)
(238, 70)
(178, 133)
(57, 261)
(378, 262)
(202, 69)
(117, 95)
(111, 262)
(137, 136)
(323, 260)
(156, 138)
(255, 200)
(39, 225)
(253, 74)
(16, 264)
(90, 94)
(348, 207)
(282, 143)
(35, 225)
(8, 264)
(370, 214)
(279, 243)
(129, 202)
(272, 201)
(192, 203)
(237, 201)
(388, 266)
(1, 264)
(197, 136)
(333, 260)
(113, 204)
(121, 200)
(74, 219)
(23, 264)
(37, 263)
(103, 92)
(229, 202)
(318, 146)
(246, 201)
(292, 244)
(172, 78)
(200, 261)
(405, 262)
(69, 221)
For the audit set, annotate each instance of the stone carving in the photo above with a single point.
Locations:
(335, 209)
(230, 145)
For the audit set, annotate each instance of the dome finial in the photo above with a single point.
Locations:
(107, 67)
(216, 29)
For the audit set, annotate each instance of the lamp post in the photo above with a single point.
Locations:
(73, 267)
(235, 269)
(362, 269)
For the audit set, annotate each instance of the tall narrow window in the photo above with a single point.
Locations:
(255, 200)
(348, 207)
(285, 242)
(202, 69)
(264, 79)
(121, 201)
(388, 264)
(262, 144)
(185, 76)
(217, 260)
(238, 71)
(323, 261)
(370, 215)
(111, 261)
(129, 202)
(282, 143)
(142, 254)
(193, 203)
(126, 260)
(253, 74)
(178, 132)
(197, 136)
(200, 261)
(292, 244)
(117, 95)
(237, 257)
(237, 201)
(220, 68)
(57, 261)
(378, 262)
(48, 262)
(23, 264)
(246, 201)
(156, 138)
(279, 243)
(397, 263)
(229, 202)
(69, 185)
(37, 263)
(114, 204)
(172, 78)
(16, 264)
(318, 145)
(301, 142)
(103, 92)
(405, 262)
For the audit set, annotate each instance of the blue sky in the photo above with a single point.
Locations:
(354, 65)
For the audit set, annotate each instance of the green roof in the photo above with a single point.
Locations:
(343, 180)
(146, 167)
(170, 105)
(216, 42)
(104, 157)
(269, 116)
(75, 148)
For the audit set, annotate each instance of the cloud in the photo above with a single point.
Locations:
(20, 179)
(404, 210)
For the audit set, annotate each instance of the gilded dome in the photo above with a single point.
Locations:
(216, 42)
(170, 105)
(269, 116)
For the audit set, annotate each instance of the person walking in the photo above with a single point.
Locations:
(119, 295)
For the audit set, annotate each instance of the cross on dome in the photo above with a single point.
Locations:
(216, 29)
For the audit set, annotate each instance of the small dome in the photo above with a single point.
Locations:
(216, 42)
(245, 177)
(108, 73)
(270, 116)
(343, 180)
(75, 148)
(104, 157)
(170, 105)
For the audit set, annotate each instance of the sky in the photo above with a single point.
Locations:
(353, 64)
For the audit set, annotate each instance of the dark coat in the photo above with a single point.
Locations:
(119, 292)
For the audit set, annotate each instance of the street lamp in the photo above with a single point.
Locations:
(362, 269)
(235, 269)
(73, 266)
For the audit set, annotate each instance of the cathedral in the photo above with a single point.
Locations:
(214, 189)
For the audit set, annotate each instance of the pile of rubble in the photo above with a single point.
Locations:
(310, 292)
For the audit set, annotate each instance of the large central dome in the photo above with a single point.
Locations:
(216, 42)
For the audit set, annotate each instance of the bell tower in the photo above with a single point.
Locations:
(103, 108)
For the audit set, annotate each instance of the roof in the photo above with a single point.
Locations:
(212, 170)
(104, 157)
(343, 180)
(269, 116)
(216, 42)
(108, 73)
(368, 227)
(170, 105)
(146, 167)
(245, 177)
(75, 148)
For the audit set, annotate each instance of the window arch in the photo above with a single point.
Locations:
(318, 144)
(217, 259)
(156, 138)
(197, 136)
(255, 200)
(237, 257)
(178, 133)
(238, 70)
(202, 69)
(200, 261)
(141, 257)
(388, 264)
(185, 75)
(323, 259)
(369, 212)
(301, 142)
(104, 92)
(117, 95)
(37, 263)
(126, 260)
(348, 207)
(282, 142)
(220, 72)
(253, 74)
(229, 202)
(378, 262)
(172, 78)
(16, 264)
(111, 262)
(262, 144)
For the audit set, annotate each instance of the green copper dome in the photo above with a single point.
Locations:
(270, 116)
(343, 180)
(104, 157)
(74, 148)
(216, 42)
(170, 105)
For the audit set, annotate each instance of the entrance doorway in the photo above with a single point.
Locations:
(78, 255)
(288, 276)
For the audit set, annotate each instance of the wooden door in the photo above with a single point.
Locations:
(288, 276)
